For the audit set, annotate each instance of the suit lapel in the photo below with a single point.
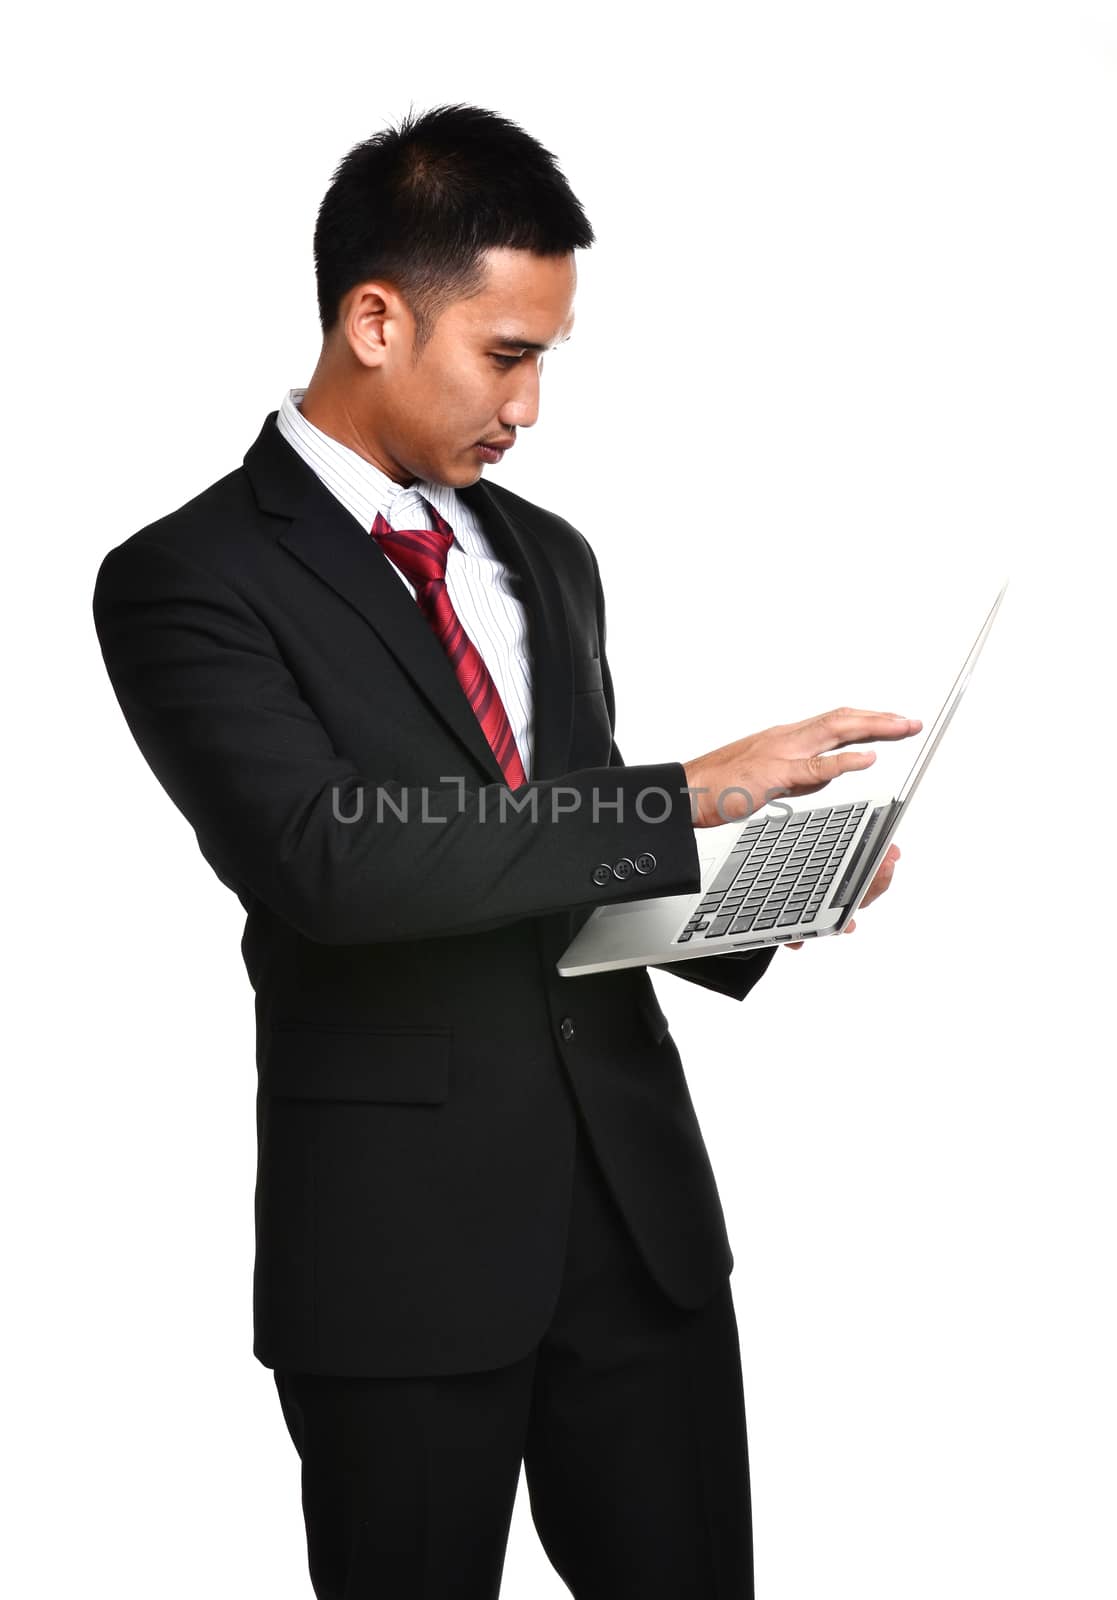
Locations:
(323, 535)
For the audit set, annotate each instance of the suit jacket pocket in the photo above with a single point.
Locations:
(314, 1061)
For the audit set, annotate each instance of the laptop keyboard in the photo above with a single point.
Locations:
(777, 873)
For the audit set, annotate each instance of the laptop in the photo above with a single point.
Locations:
(782, 875)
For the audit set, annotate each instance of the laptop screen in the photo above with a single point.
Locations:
(942, 721)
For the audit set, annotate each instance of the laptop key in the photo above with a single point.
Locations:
(726, 873)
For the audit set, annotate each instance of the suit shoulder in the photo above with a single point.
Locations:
(558, 530)
(198, 532)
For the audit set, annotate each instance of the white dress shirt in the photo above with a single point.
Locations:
(476, 580)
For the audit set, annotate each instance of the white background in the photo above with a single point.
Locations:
(845, 356)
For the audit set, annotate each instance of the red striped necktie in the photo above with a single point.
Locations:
(420, 554)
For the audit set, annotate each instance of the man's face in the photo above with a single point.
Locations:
(476, 379)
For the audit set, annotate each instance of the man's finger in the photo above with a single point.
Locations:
(882, 878)
(845, 725)
(820, 769)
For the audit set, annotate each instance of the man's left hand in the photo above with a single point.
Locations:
(879, 884)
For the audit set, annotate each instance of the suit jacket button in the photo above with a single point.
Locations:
(623, 868)
(566, 1028)
(602, 873)
(645, 862)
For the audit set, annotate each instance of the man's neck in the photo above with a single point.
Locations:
(326, 409)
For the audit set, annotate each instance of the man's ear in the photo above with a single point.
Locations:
(374, 320)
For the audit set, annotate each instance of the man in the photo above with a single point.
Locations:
(487, 1230)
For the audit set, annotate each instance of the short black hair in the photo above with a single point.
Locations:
(418, 204)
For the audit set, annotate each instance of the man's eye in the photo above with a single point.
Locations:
(506, 361)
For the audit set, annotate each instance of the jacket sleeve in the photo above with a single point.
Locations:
(733, 973)
(345, 856)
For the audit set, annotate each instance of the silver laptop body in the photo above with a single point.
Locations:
(782, 875)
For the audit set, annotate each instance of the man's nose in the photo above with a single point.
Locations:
(522, 410)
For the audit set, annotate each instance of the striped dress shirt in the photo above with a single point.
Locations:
(476, 580)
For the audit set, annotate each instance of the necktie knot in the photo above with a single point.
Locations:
(419, 553)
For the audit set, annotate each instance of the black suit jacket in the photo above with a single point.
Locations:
(419, 1056)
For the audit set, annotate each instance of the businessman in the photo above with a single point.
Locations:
(487, 1231)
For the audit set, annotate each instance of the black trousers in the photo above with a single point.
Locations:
(628, 1417)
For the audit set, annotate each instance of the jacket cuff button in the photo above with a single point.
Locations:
(623, 868)
(645, 862)
(602, 873)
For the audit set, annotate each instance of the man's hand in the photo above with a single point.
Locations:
(881, 880)
(741, 778)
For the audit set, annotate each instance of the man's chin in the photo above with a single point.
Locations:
(457, 477)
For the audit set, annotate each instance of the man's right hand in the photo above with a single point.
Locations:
(789, 760)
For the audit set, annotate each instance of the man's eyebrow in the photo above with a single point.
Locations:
(514, 342)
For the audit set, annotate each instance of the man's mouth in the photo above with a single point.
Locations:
(494, 451)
